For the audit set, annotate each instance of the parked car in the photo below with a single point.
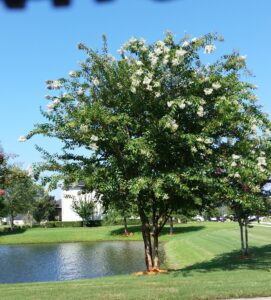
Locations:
(198, 218)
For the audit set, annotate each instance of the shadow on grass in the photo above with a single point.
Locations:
(259, 259)
(8, 231)
(165, 231)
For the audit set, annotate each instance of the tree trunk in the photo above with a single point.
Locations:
(11, 222)
(125, 226)
(156, 265)
(241, 236)
(171, 225)
(148, 246)
(246, 237)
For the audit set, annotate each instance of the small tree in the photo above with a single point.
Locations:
(20, 193)
(44, 208)
(84, 208)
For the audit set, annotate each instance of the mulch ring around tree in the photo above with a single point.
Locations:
(151, 272)
(127, 234)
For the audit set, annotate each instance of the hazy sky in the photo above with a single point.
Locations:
(40, 43)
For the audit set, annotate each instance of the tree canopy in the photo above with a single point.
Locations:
(157, 127)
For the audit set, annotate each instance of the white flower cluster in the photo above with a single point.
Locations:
(172, 125)
(216, 85)
(80, 91)
(22, 138)
(261, 163)
(208, 91)
(72, 74)
(51, 106)
(181, 103)
(53, 84)
(235, 157)
(200, 111)
(84, 128)
(209, 49)
(93, 144)
(95, 81)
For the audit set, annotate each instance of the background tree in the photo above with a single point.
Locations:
(153, 123)
(44, 208)
(84, 207)
(20, 193)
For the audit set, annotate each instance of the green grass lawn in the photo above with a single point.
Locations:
(204, 258)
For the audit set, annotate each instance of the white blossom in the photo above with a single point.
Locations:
(72, 74)
(200, 112)
(133, 89)
(157, 94)
(180, 52)
(235, 157)
(156, 84)
(121, 50)
(261, 161)
(242, 57)
(254, 128)
(135, 82)
(175, 62)
(236, 175)
(181, 105)
(84, 128)
(208, 91)
(160, 43)
(139, 72)
(149, 87)
(194, 149)
(166, 50)
(216, 85)
(139, 63)
(93, 146)
(30, 170)
(80, 92)
(132, 40)
(158, 51)
(95, 81)
(22, 138)
(233, 164)
(94, 138)
(147, 80)
(185, 44)
(50, 107)
(209, 49)
(194, 40)
(56, 84)
(170, 103)
(165, 60)
(56, 101)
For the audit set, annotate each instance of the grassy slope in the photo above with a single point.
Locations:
(205, 256)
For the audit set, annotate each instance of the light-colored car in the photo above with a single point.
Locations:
(198, 218)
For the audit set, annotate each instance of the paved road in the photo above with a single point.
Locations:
(260, 298)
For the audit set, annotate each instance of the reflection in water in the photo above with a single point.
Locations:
(29, 263)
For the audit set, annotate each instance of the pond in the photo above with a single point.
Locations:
(67, 261)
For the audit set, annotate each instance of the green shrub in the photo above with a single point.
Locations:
(119, 221)
(52, 224)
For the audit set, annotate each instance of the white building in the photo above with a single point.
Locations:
(75, 194)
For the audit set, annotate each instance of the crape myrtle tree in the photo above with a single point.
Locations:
(152, 123)
(243, 167)
(84, 207)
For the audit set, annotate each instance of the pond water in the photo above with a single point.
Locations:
(67, 261)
